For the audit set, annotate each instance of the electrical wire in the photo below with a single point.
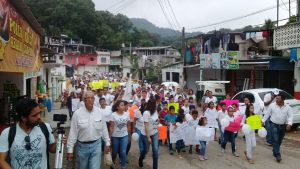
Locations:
(124, 6)
(114, 5)
(173, 13)
(237, 18)
(165, 15)
(169, 14)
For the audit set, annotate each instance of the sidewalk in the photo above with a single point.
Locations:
(48, 118)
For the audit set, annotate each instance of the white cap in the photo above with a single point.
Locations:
(275, 91)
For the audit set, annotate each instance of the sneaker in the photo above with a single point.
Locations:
(268, 144)
(247, 158)
(201, 158)
(235, 154)
(223, 150)
(250, 161)
(141, 163)
(278, 159)
(171, 152)
(205, 158)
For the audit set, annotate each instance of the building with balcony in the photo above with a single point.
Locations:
(247, 59)
(143, 60)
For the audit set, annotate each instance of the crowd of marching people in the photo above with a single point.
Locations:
(143, 112)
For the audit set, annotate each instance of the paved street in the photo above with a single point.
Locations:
(216, 160)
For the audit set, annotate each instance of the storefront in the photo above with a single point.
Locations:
(20, 59)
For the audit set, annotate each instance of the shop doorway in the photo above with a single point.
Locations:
(175, 77)
(28, 87)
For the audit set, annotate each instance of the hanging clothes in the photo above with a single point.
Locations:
(188, 55)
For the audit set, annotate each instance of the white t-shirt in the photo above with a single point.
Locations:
(75, 104)
(140, 122)
(36, 158)
(221, 114)
(186, 109)
(96, 101)
(211, 115)
(267, 98)
(213, 99)
(108, 98)
(106, 113)
(152, 121)
(188, 117)
(193, 122)
(120, 124)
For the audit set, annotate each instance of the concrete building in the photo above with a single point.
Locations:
(143, 60)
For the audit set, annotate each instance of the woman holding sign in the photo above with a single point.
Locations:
(250, 137)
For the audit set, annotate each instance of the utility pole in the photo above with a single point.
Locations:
(298, 10)
(183, 53)
(289, 8)
(277, 12)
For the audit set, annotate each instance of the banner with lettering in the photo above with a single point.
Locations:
(19, 43)
(232, 59)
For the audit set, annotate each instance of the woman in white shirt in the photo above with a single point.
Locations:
(150, 133)
(139, 126)
(119, 128)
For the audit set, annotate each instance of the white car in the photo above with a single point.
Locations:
(170, 84)
(257, 97)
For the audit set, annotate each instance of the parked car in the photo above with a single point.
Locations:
(170, 84)
(217, 88)
(257, 96)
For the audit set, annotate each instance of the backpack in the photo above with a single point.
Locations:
(12, 134)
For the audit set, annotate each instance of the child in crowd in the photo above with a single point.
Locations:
(221, 114)
(170, 119)
(250, 138)
(211, 114)
(193, 123)
(185, 106)
(179, 132)
(180, 101)
(163, 112)
(192, 101)
(202, 123)
(229, 135)
(171, 99)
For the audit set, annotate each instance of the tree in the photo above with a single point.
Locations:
(269, 24)
(292, 19)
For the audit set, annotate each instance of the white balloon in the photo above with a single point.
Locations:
(262, 132)
(246, 129)
(135, 136)
(225, 123)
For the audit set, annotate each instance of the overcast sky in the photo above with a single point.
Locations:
(195, 13)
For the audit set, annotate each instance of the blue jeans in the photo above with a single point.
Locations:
(229, 136)
(119, 145)
(141, 146)
(221, 139)
(88, 156)
(277, 134)
(168, 136)
(269, 131)
(203, 148)
(154, 139)
(179, 145)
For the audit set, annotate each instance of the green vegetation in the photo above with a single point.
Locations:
(78, 18)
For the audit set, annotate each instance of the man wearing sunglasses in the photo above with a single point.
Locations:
(29, 146)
